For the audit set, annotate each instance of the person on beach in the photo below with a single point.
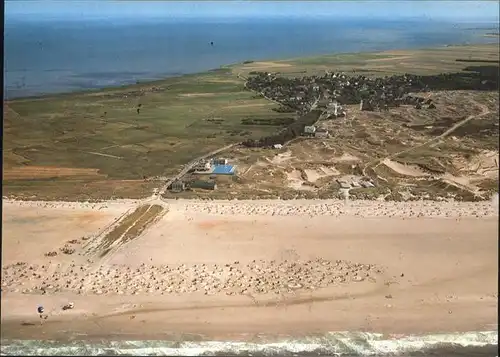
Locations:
(41, 310)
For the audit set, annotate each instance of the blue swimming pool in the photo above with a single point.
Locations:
(223, 169)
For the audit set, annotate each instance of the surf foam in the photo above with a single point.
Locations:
(331, 344)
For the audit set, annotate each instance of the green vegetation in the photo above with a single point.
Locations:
(489, 185)
(125, 223)
(130, 227)
(145, 220)
(103, 144)
(427, 159)
(423, 62)
(103, 130)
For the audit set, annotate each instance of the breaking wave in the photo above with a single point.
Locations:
(331, 344)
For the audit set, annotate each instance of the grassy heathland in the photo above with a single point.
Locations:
(94, 145)
(422, 62)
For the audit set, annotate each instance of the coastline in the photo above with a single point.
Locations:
(222, 67)
(224, 319)
(438, 278)
(107, 165)
(454, 290)
(472, 344)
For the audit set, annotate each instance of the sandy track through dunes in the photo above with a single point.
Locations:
(7, 108)
(37, 228)
(484, 111)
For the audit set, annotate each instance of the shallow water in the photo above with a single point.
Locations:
(472, 344)
(53, 56)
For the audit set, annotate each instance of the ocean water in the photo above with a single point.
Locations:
(51, 56)
(470, 344)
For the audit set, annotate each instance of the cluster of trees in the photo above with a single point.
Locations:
(297, 94)
(380, 93)
(268, 121)
(292, 131)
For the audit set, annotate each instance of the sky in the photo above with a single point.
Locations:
(74, 10)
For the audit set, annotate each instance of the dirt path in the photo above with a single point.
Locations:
(188, 167)
(484, 111)
(193, 163)
(105, 155)
(388, 59)
(156, 197)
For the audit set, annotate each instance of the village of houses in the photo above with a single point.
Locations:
(329, 95)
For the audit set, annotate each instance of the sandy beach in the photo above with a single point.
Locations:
(234, 269)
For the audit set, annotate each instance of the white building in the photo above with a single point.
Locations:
(309, 130)
(220, 161)
(203, 166)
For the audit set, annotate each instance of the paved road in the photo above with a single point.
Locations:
(193, 162)
(190, 165)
